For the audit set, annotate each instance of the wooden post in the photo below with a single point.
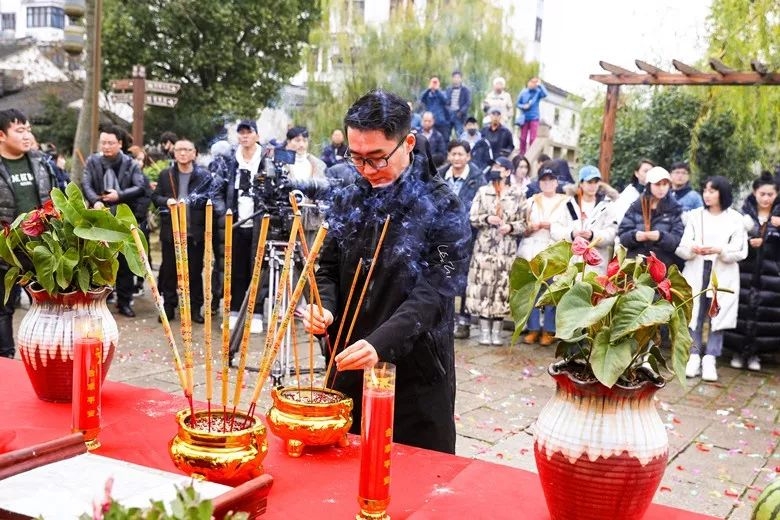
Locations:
(608, 131)
(139, 100)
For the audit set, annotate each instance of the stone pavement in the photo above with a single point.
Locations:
(724, 437)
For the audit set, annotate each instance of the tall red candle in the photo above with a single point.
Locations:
(87, 379)
(376, 441)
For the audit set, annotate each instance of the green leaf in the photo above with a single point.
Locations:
(45, 264)
(134, 261)
(69, 207)
(636, 310)
(523, 288)
(559, 287)
(609, 360)
(657, 359)
(575, 311)
(680, 336)
(82, 278)
(125, 215)
(682, 294)
(91, 232)
(9, 280)
(552, 261)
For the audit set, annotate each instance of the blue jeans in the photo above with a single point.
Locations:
(549, 319)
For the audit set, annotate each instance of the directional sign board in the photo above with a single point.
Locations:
(162, 87)
(121, 84)
(150, 99)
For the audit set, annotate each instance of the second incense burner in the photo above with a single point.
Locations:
(309, 417)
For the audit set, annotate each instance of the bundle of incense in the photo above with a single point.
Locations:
(177, 246)
(253, 285)
(647, 209)
(149, 275)
(270, 354)
(497, 185)
(366, 283)
(226, 287)
(25, 459)
(208, 257)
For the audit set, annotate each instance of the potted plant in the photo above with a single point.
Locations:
(66, 256)
(600, 446)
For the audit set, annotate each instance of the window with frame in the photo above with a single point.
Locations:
(8, 22)
(46, 16)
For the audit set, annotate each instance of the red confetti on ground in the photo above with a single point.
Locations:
(776, 433)
(498, 429)
(666, 488)
(702, 447)
(680, 468)
(524, 451)
(499, 455)
(676, 421)
(731, 493)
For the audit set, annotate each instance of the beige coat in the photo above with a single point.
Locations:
(487, 294)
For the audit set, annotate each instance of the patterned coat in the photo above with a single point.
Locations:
(487, 293)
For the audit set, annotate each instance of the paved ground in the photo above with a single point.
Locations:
(724, 437)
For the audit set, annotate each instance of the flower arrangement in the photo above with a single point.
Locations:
(186, 506)
(65, 246)
(608, 325)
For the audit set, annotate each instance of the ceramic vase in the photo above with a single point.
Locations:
(601, 452)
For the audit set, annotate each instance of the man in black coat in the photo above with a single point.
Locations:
(407, 314)
(112, 178)
(464, 178)
(188, 182)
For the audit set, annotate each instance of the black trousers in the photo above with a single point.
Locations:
(167, 276)
(7, 345)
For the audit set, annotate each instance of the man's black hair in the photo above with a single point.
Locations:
(680, 165)
(380, 110)
(722, 184)
(295, 131)
(455, 143)
(168, 136)
(543, 158)
(470, 119)
(11, 116)
(114, 130)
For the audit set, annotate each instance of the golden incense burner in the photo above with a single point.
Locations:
(300, 422)
(227, 457)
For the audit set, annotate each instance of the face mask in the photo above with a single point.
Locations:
(472, 131)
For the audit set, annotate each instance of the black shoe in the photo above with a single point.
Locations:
(125, 310)
(198, 318)
(170, 313)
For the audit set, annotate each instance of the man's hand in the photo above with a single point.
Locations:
(357, 356)
(775, 221)
(110, 196)
(756, 242)
(98, 205)
(316, 322)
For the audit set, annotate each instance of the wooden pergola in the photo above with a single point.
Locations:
(651, 75)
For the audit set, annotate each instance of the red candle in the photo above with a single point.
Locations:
(376, 440)
(87, 378)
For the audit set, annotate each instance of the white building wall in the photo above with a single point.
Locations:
(41, 34)
(34, 65)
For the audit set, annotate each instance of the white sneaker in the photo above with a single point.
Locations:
(737, 361)
(257, 324)
(232, 319)
(693, 368)
(754, 363)
(708, 370)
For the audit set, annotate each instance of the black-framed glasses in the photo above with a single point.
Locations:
(377, 164)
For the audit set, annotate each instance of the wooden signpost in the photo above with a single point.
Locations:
(140, 92)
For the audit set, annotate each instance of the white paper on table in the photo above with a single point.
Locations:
(67, 488)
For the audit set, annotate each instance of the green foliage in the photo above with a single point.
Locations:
(153, 171)
(64, 246)
(674, 124)
(402, 54)
(230, 56)
(609, 322)
(58, 125)
(187, 505)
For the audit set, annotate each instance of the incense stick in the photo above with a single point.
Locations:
(345, 313)
(184, 298)
(253, 285)
(208, 255)
(265, 366)
(174, 211)
(227, 275)
(149, 275)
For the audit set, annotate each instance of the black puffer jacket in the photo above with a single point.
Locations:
(44, 180)
(757, 329)
(407, 313)
(666, 218)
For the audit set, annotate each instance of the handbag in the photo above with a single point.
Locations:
(520, 118)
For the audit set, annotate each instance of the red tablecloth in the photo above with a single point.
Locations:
(138, 423)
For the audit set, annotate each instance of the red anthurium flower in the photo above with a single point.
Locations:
(656, 268)
(714, 307)
(6, 228)
(33, 225)
(609, 288)
(49, 210)
(613, 267)
(579, 246)
(665, 288)
(592, 257)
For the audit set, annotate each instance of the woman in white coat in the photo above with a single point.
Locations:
(714, 241)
